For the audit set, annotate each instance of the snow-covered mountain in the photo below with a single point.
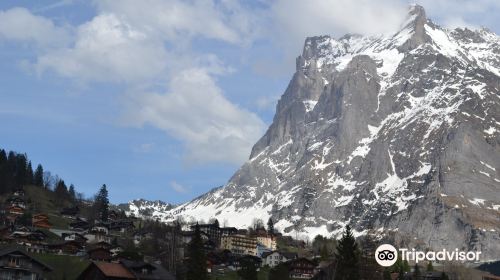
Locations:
(395, 134)
(146, 208)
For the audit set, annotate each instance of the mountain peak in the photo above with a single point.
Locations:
(415, 23)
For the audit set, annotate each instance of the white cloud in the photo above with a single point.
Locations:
(463, 13)
(294, 20)
(179, 20)
(107, 50)
(179, 188)
(20, 25)
(195, 111)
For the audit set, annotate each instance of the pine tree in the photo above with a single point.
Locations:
(71, 192)
(279, 272)
(196, 263)
(270, 226)
(430, 267)
(29, 174)
(387, 274)
(101, 204)
(444, 276)
(324, 252)
(61, 189)
(416, 272)
(347, 257)
(38, 177)
(401, 273)
(406, 266)
(248, 270)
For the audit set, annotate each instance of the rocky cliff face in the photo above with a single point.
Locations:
(397, 135)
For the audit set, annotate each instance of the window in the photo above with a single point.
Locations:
(14, 262)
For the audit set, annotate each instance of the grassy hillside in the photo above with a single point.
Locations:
(65, 267)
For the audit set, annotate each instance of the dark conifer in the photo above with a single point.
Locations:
(347, 257)
(279, 272)
(197, 262)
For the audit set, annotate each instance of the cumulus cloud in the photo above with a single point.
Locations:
(226, 20)
(20, 25)
(195, 111)
(107, 50)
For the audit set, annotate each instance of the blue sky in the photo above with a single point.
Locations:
(164, 99)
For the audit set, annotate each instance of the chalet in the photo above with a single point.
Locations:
(105, 271)
(100, 227)
(16, 264)
(121, 225)
(19, 193)
(15, 210)
(240, 259)
(97, 236)
(66, 248)
(79, 225)
(17, 201)
(146, 271)
(26, 236)
(115, 251)
(39, 248)
(74, 236)
(301, 268)
(70, 212)
(103, 244)
(41, 221)
(274, 258)
(99, 254)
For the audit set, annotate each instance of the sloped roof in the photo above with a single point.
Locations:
(8, 251)
(114, 270)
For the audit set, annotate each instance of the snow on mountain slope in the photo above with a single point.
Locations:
(396, 134)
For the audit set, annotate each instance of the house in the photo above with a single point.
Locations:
(99, 254)
(121, 225)
(267, 240)
(239, 244)
(105, 271)
(70, 212)
(301, 268)
(16, 264)
(15, 210)
(79, 225)
(238, 261)
(74, 236)
(67, 248)
(39, 248)
(19, 193)
(41, 221)
(97, 236)
(17, 201)
(147, 271)
(274, 258)
(100, 227)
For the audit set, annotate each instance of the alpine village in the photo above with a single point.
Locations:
(50, 231)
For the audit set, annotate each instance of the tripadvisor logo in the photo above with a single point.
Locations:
(387, 255)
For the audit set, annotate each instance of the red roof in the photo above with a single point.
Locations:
(114, 270)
